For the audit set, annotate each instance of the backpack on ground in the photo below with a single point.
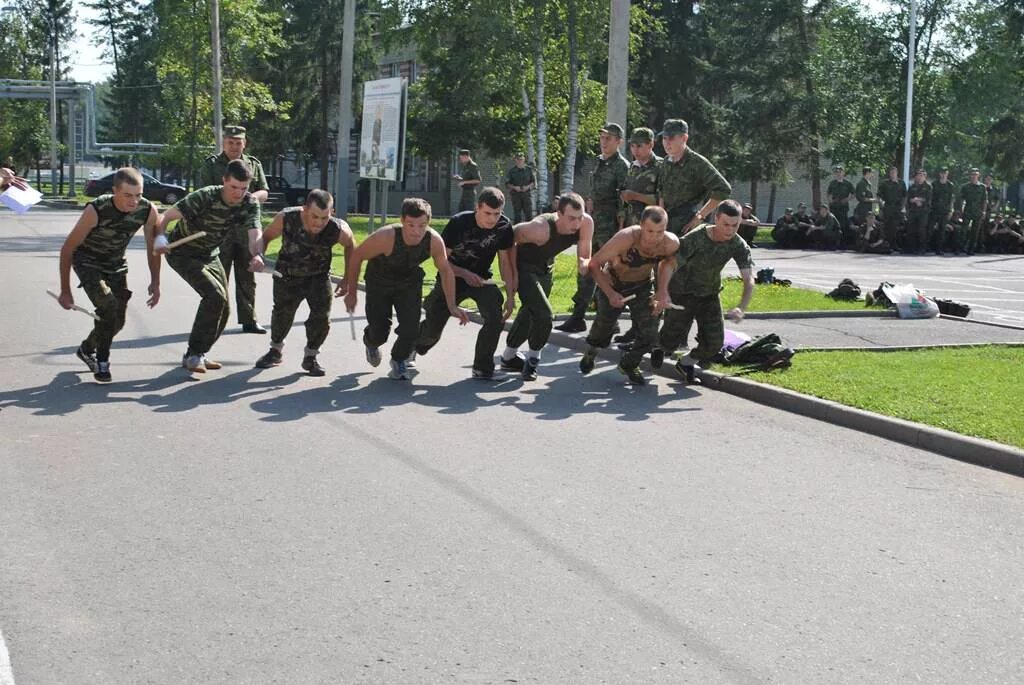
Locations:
(763, 352)
(846, 290)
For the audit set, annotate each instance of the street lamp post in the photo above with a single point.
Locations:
(910, 92)
(218, 124)
(53, 107)
(348, 33)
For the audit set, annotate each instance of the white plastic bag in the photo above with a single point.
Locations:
(911, 303)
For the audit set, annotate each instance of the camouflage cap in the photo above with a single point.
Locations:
(234, 132)
(801, 204)
(974, 170)
(641, 135)
(674, 127)
(520, 155)
(920, 171)
(789, 210)
(613, 129)
(464, 151)
(838, 167)
(823, 205)
(747, 205)
(944, 169)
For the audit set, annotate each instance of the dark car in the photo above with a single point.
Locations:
(152, 189)
(284, 194)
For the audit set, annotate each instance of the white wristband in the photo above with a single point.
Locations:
(160, 241)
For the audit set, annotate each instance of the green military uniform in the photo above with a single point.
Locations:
(235, 250)
(831, 233)
(606, 183)
(395, 282)
(892, 193)
(523, 178)
(917, 216)
(865, 194)
(641, 312)
(684, 185)
(695, 285)
(839, 200)
(469, 172)
(748, 231)
(640, 178)
(535, 264)
(198, 262)
(973, 198)
(786, 233)
(994, 197)
(305, 264)
(101, 268)
(941, 208)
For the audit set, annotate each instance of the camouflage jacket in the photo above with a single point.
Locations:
(942, 197)
(640, 178)
(972, 199)
(205, 210)
(839, 192)
(212, 173)
(865, 192)
(923, 191)
(606, 181)
(304, 253)
(105, 245)
(892, 193)
(690, 181)
(519, 177)
(700, 261)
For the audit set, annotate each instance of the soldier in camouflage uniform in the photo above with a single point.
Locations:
(520, 181)
(641, 178)
(623, 268)
(892, 193)
(308, 235)
(696, 284)
(994, 199)
(865, 194)
(217, 210)
(941, 211)
(96, 247)
(469, 179)
(689, 186)
(825, 233)
(749, 223)
(839, 192)
(235, 250)
(972, 205)
(919, 204)
(604, 204)
(394, 282)
(786, 233)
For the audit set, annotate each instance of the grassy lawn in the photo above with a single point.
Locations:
(767, 298)
(973, 391)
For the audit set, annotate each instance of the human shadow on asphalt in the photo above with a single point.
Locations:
(69, 391)
(214, 387)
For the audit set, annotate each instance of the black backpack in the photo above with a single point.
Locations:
(846, 290)
(763, 352)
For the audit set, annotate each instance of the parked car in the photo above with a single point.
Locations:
(152, 189)
(284, 193)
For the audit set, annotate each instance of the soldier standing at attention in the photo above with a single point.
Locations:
(892, 192)
(96, 247)
(538, 242)
(941, 211)
(520, 181)
(839, 192)
(468, 178)
(631, 258)
(689, 186)
(919, 204)
(972, 204)
(308, 235)
(696, 285)
(217, 210)
(642, 176)
(394, 282)
(606, 184)
(235, 250)
(865, 194)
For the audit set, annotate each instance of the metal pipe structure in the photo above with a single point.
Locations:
(910, 93)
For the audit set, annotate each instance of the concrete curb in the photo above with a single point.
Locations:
(903, 348)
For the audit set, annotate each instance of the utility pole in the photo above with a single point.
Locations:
(910, 93)
(618, 63)
(218, 118)
(348, 32)
(53, 106)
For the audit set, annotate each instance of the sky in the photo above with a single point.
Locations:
(89, 64)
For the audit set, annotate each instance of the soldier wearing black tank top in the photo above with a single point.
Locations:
(538, 243)
(394, 282)
(623, 270)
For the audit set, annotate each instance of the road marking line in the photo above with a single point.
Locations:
(6, 674)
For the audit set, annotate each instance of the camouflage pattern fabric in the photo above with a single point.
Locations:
(104, 247)
(206, 276)
(304, 253)
(214, 167)
(108, 291)
(205, 210)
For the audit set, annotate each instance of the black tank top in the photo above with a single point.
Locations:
(541, 258)
(402, 266)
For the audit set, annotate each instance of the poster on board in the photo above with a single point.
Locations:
(382, 140)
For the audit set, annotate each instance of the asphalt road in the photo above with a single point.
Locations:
(264, 526)
(992, 284)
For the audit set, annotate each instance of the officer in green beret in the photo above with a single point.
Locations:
(520, 181)
(469, 180)
(689, 186)
(235, 250)
(973, 202)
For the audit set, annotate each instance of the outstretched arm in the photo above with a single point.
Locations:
(86, 222)
(447, 276)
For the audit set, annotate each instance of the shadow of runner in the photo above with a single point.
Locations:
(215, 388)
(69, 391)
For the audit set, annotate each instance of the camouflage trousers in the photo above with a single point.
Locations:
(488, 300)
(289, 293)
(467, 200)
(206, 276)
(109, 293)
(404, 299)
(916, 239)
(234, 252)
(841, 210)
(706, 311)
(521, 210)
(969, 236)
(644, 322)
(535, 317)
